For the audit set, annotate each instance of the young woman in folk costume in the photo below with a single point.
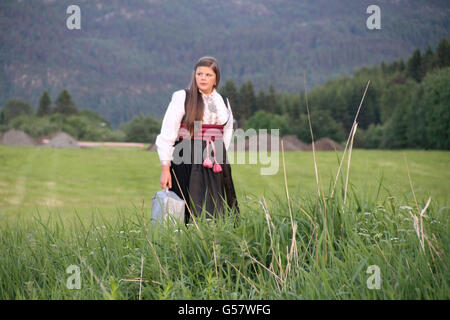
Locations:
(192, 146)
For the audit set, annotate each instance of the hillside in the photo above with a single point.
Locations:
(130, 55)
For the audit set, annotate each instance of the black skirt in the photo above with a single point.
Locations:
(203, 189)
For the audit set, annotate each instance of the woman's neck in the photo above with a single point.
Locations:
(207, 94)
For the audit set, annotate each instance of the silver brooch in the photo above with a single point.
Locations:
(211, 104)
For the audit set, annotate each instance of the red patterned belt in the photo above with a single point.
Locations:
(208, 133)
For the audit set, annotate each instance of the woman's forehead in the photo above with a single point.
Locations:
(205, 69)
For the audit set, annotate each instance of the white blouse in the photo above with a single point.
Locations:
(172, 119)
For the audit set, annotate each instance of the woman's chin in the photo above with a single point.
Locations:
(205, 89)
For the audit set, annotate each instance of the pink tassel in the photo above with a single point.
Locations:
(207, 163)
(217, 167)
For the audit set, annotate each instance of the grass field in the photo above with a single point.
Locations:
(45, 180)
(61, 207)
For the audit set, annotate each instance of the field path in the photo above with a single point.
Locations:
(22, 176)
(51, 184)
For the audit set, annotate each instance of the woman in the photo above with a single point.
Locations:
(198, 121)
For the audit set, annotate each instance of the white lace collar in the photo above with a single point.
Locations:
(212, 94)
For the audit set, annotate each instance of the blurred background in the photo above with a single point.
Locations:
(113, 79)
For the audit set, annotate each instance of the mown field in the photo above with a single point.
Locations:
(44, 180)
(91, 208)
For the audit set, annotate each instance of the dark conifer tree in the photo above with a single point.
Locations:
(44, 107)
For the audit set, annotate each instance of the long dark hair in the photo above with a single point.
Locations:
(194, 101)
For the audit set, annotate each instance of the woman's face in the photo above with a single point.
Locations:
(205, 78)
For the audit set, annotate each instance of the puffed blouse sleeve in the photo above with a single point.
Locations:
(228, 128)
(170, 126)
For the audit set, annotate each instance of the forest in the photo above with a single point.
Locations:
(130, 56)
(406, 106)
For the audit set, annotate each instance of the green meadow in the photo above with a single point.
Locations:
(92, 208)
(105, 180)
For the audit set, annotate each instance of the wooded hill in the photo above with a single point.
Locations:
(129, 56)
(406, 106)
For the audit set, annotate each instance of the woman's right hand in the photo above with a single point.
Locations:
(166, 179)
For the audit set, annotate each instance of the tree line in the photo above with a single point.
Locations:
(406, 106)
(64, 115)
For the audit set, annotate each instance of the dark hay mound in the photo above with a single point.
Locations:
(292, 143)
(17, 138)
(327, 144)
(62, 140)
